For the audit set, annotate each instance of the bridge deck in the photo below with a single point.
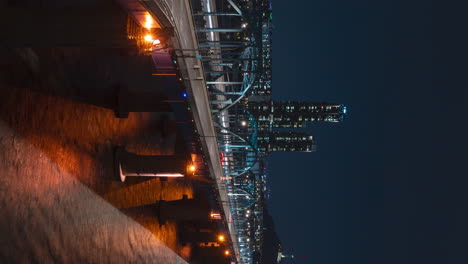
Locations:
(180, 15)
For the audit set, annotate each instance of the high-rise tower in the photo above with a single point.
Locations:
(294, 114)
(285, 141)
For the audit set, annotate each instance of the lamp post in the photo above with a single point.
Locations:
(128, 164)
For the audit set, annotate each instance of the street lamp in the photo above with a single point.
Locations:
(148, 38)
(221, 238)
(149, 22)
(214, 215)
(192, 168)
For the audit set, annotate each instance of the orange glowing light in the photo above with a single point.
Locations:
(192, 168)
(221, 238)
(149, 38)
(215, 216)
(149, 22)
(226, 252)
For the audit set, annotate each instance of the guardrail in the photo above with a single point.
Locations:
(229, 51)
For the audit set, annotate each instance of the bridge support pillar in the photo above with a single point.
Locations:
(139, 102)
(209, 237)
(211, 253)
(183, 210)
(191, 210)
(128, 164)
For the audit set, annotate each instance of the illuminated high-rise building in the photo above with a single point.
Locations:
(294, 114)
(285, 141)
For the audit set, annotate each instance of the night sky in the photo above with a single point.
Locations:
(390, 183)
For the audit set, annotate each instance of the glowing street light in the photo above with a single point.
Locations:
(192, 168)
(243, 123)
(148, 21)
(128, 164)
(226, 252)
(149, 38)
(214, 215)
(221, 238)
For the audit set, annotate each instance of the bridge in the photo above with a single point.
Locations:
(217, 51)
(210, 50)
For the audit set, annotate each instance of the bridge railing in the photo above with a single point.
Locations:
(229, 52)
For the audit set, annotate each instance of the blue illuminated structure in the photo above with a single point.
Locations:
(229, 51)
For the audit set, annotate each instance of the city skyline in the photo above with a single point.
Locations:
(207, 132)
(278, 123)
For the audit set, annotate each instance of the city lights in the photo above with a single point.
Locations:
(236, 115)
